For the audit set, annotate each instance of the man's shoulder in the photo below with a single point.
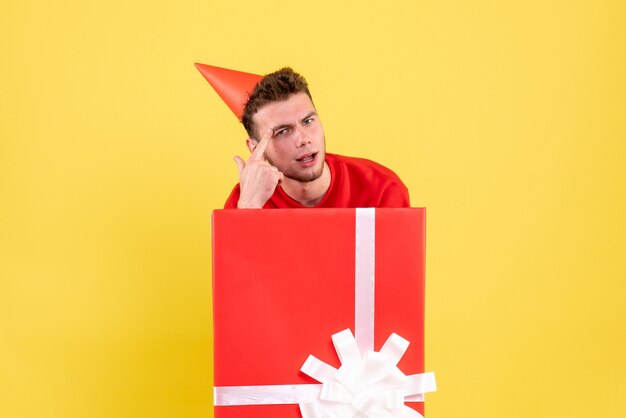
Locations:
(233, 198)
(366, 183)
(355, 165)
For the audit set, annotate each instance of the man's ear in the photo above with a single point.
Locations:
(251, 143)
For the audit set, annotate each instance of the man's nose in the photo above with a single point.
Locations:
(301, 136)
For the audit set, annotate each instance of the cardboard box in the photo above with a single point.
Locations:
(284, 283)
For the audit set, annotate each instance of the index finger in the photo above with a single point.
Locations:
(257, 154)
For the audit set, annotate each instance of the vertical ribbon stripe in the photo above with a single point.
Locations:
(364, 269)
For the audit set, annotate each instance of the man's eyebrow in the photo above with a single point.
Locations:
(279, 127)
(309, 115)
(289, 125)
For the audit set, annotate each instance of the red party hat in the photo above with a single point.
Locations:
(234, 87)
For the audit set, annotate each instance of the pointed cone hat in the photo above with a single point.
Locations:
(234, 87)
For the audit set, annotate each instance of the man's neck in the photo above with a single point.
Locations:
(309, 193)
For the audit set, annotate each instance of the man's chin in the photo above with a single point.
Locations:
(305, 177)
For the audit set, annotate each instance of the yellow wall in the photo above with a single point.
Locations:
(507, 120)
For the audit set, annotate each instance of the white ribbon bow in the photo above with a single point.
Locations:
(371, 386)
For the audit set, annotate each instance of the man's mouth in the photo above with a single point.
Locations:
(307, 158)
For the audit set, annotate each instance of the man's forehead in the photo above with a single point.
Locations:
(293, 108)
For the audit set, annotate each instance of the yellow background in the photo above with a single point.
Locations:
(507, 120)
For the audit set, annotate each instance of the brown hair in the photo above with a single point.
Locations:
(274, 87)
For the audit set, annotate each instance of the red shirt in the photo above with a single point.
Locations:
(354, 183)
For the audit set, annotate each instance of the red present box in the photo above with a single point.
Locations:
(285, 281)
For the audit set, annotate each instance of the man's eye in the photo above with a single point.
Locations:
(307, 121)
(280, 132)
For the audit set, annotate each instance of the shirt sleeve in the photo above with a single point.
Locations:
(231, 202)
(395, 195)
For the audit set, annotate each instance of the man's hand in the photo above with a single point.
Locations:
(257, 178)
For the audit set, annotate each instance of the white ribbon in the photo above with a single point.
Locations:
(370, 386)
(265, 394)
(364, 270)
(368, 383)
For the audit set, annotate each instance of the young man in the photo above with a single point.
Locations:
(288, 166)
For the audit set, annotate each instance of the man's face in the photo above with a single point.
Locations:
(297, 147)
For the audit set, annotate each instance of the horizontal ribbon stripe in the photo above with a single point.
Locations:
(421, 383)
(265, 394)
